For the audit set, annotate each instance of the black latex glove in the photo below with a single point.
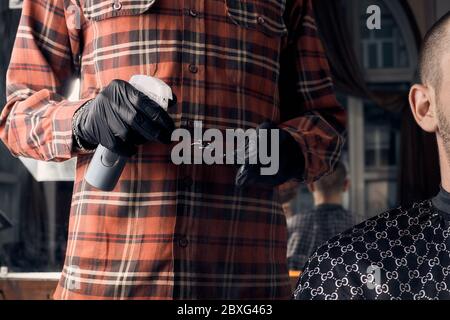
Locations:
(291, 161)
(120, 118)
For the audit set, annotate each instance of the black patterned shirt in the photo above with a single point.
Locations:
(402, 254)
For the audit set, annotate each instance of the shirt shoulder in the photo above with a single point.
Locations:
(299, 218)
(346, 267)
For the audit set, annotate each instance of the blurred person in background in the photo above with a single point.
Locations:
(307, 231)
(287, 193)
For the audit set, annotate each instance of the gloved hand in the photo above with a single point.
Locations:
(291, 160)
(120, 118)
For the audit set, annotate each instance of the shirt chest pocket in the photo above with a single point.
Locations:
(258, 31)
(119, 35)
(98, 10)
(263, 16)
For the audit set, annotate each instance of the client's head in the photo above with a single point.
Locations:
(330, 189)
(430, 100)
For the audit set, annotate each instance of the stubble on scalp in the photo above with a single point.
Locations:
(444, 127)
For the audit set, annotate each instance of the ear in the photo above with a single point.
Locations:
(346, 185)
(423, 107)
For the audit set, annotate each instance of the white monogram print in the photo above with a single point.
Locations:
(402, 254)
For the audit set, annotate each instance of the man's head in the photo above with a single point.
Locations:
(434, 47)
(430, 100)
(329, 189)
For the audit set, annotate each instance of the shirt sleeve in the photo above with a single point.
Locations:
(308, 105)
(322, 281)
(37, 120)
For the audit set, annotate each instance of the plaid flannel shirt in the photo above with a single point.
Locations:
(171, 231)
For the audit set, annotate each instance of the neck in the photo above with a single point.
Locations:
(444, 165)
(320, 199)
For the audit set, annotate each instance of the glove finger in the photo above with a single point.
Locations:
(155, 113)
(126, 101)
(246, 175)
(251, 175)
(144, 127)
(267, 125)
(151, 131)
(117, 139)
(139, 111)
(122, 148)
(241, 177)
(136, 138)
(163, 135)
(126, 92)
(174, 100)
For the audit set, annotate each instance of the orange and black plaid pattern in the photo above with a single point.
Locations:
(171, 231)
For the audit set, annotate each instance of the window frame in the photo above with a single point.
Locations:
(356, 125)
(388, 75)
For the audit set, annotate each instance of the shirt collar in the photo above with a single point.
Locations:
(442, 202)
(330, 206)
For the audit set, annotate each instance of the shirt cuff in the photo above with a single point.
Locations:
(63, 140)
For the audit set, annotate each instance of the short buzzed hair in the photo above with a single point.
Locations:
(333, 183)
(435, 43)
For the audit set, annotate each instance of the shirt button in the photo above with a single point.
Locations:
(193, 68)
(117, 5)
(183, 242)
(261, 20)
(193, 13)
